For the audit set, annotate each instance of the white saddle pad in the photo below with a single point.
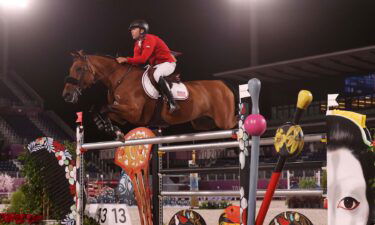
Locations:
(179, 90)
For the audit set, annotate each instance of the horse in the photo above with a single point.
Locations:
(211, 103)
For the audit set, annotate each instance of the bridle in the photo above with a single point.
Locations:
(86, 70)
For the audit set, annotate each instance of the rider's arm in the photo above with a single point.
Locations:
(148, 47)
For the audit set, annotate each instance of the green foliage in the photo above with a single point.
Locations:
(32, 196)
(307, 183)
(71, 147)
(17, 202)
(31, 202)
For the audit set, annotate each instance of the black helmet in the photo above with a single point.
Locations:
(140, 24)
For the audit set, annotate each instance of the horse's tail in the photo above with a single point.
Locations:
(233, 86)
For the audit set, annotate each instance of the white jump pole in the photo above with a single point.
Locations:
(79, 170)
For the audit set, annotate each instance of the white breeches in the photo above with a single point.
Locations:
(164, 69)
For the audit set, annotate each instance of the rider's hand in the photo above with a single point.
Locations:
(122, 60)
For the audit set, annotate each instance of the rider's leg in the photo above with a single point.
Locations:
(162, 70)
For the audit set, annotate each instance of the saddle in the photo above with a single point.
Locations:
(173, 78)
(178, 88)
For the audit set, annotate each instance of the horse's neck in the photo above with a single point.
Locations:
(112, 74)
(105, 69)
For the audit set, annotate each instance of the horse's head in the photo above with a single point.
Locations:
(81, 76)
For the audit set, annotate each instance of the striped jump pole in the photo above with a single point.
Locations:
(255, 125)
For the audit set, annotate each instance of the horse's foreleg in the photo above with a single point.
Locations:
(114, 117)
(102, 121)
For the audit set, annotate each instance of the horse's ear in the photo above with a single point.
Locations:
(78, 54)
(75, 54)
(81, 53)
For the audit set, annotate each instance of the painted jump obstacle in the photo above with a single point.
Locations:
(238, 134)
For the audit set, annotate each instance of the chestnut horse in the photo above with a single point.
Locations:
(211, 104)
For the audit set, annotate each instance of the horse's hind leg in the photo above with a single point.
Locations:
(225, 117)
(222, 102)
(225, 122)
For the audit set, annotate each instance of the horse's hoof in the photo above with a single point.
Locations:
(120, 136)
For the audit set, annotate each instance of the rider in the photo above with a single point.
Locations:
(151, 48)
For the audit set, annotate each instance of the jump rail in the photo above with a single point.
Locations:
(197, 147)
(160, 140)
(230, 144)
(190, 137)
(262, 166)
(260, 193)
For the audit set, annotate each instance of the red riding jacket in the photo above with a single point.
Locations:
(153, 49)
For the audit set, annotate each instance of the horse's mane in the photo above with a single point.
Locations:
(105, 56)
(82, 54)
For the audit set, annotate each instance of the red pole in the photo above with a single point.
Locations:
(267, 198)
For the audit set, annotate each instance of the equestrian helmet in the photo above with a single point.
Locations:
(142, 24)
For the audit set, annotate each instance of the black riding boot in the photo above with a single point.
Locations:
(164, 87)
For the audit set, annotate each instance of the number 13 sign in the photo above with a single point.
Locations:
(110, 214)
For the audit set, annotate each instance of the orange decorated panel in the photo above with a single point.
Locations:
(133, 159)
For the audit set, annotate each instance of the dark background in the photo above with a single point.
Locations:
(213, 35)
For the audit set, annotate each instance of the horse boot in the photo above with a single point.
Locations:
(100, 122)
(166, 91)
(103, 123)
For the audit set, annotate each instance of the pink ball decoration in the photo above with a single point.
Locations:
(255, 125)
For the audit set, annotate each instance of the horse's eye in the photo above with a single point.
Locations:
(348, 203)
